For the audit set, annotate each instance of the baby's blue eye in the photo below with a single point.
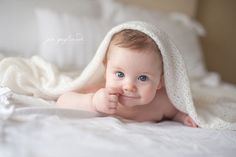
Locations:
(143, 78)
(120, 74)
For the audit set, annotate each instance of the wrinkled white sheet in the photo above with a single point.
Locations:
(51, 132)
(107, 136)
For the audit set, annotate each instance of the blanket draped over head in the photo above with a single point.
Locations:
(210, 107)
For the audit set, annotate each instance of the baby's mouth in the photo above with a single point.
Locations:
(130, 96)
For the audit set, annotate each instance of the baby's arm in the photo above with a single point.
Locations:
(185, 119)
(76, 101)
(104, 100)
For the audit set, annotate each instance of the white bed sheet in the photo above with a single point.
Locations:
(51, 132)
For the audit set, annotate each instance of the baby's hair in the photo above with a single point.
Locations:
(134, 39)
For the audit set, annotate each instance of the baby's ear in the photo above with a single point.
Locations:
(161, 83)
(104, 62)
(105, 67)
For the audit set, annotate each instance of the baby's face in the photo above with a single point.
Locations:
(138, 74)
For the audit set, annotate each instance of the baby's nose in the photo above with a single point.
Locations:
(130, 87)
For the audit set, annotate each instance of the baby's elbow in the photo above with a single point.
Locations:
(61, 101)
(66, 100)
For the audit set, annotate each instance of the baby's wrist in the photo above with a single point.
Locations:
(93, 104)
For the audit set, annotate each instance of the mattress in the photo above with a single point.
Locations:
(45, 131)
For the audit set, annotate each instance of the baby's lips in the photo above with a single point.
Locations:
(120, 92)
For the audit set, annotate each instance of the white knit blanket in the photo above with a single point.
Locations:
(211, 106)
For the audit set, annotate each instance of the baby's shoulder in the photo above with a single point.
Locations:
(163, 102)
(161, 98)
(161, 93)
(92, 89)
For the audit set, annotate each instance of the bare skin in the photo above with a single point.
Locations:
(159, 109)
(133, 89)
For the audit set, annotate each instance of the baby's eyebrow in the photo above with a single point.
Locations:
(117, 68)
(146, 73)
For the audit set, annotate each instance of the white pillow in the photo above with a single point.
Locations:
(18, 25)
(68, 41)
(182, 30)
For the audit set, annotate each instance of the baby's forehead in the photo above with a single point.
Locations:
(150, 52)
(144, 58)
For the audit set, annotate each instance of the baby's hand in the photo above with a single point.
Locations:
(185, 119)
(105, 100)
(190, 122)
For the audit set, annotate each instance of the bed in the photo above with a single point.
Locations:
(32, 126)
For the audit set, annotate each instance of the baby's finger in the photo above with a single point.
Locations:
(113, 105)
(115, 91)
(112, 111)
(113, 98)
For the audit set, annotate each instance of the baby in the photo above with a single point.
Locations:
(134, 85)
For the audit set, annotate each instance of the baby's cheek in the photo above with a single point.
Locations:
(112, 84)
(148, 95)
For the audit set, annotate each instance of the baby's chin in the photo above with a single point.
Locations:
(130, 104)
